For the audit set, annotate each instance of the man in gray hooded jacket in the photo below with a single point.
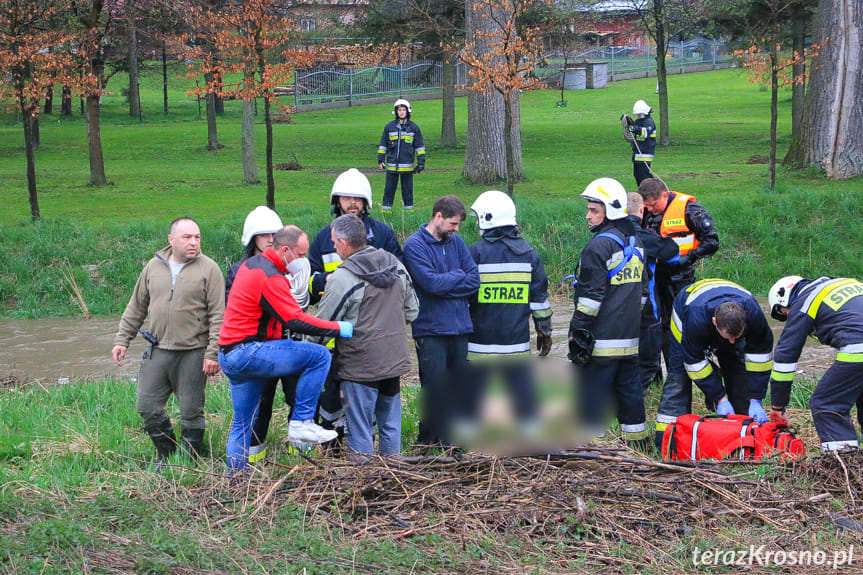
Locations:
(372, 290)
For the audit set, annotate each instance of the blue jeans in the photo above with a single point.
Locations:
(249, 366)
(363, 405)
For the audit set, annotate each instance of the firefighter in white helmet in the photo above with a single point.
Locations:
(604, 330)
(401, 153)
(831, 311)
(351, 194)
(643, 141)
(513, 288)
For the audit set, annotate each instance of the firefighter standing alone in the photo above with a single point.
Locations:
(401, 152)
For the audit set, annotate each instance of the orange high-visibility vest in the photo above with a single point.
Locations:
(674, 223)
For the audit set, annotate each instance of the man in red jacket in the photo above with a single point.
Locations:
(252, 349)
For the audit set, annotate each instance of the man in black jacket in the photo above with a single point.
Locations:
(656, 249)
(604, 329)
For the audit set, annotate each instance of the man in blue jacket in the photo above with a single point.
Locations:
(445, 276)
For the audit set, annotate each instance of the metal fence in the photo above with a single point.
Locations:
(337, 83)
(641, 60)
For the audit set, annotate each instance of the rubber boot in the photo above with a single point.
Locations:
(165, 441)
(657, 441)
(193, 442)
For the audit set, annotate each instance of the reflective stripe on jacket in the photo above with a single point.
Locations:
(692, 326)
(513, 287)
(610, 308)
(831, 311)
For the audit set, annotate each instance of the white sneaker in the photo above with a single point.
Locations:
(309, 432)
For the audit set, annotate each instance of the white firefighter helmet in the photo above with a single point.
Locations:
(261, 220)
(779, 296)
(494, 209)
(352, 183)
(610, 192)
(402, 102)
(641, 107)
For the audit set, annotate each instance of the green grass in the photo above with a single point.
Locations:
(159, 169)
(77, 491)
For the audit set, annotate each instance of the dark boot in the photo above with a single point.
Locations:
(193, 442)
(164, 440)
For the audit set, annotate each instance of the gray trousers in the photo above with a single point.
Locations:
(164, 372)
(363, 406)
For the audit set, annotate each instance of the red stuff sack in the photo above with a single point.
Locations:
(777, 439)
(693, 437)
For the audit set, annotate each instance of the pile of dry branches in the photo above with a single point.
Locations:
(579, 506)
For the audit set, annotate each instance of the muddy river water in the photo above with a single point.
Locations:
(57, 349)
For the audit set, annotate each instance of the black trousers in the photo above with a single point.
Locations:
(641, 171)
(265, 408)
(609, 386)
(392, 183)
(441, 361)
(837, 391)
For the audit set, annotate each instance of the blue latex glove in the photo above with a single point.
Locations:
(756, 412)
(346, 329)
(724, 408)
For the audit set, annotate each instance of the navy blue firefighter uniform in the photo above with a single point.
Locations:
(831, 311)
(742, 369)
(609, 306)
(513, 288)
(403, 151)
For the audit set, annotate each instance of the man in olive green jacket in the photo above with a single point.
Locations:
(182, 293)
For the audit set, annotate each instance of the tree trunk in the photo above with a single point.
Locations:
(830, 136)
(164, 79)
(774, 111)
(661, 75)
(507, 144)
(485, 153)
(448, 138)
(66, 103)
(515, 134)
(212, 134)
(94, 138)
(220, 102)
(49, 101)
(134, 93)
(35, 135)
(271, 182)
(31, 171)
(798, 69)
(26, 115)
(247, 143)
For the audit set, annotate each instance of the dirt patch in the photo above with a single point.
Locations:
(758, 159)
(288, 166)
